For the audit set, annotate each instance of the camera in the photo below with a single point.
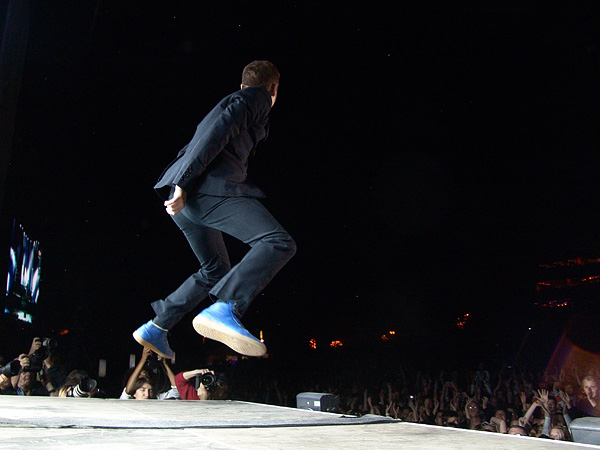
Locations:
(85, 386)
(11, 369)
(37, 358)
(209, 380)
(51, 343)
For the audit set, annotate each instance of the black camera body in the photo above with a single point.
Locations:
(37, 358)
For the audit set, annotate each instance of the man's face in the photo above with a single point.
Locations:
(25, 380)
(590, 388)
(500, 414)
(273, 92)
(474, 409)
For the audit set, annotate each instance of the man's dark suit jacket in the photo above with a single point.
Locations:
(215, 162)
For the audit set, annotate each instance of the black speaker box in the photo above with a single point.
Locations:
(586, 430)
(315, 401)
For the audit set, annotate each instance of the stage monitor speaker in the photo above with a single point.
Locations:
(315, 401)
(586, 430)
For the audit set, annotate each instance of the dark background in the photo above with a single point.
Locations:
(426, 157)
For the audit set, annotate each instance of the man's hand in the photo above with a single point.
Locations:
(24, 360)
(146, 353)
(177, 203)
(35, 345)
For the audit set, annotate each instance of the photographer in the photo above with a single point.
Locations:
(7, 372)
(19, 377)
(201, 384)
(43, 361)
(78, 384)
(149, 363)
(25, 383)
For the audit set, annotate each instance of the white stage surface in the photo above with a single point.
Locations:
(46, 423)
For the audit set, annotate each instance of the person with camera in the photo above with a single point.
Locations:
(26, 380)
(150, 362)
(78, 384)
(9, 371)
(10, 374)
(201, 384)
(43, 361)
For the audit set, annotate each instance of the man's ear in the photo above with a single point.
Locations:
(273, 90)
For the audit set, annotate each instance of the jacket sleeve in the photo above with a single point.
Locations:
(211, 137)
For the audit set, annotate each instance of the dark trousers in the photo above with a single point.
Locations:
(202, 221)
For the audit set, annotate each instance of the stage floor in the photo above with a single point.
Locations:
(59, 423)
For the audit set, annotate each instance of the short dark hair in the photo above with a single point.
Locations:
(260, 73)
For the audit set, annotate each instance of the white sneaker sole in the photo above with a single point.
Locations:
(237, 342)
(145, 343)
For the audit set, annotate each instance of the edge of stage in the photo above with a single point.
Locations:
(49, 423)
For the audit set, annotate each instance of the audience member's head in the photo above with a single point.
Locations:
(78, 384)
(518, 430)
(591, 387)
(560, 434)
(143, 389)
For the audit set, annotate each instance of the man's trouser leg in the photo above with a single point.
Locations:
(249, 221)
(208, 246)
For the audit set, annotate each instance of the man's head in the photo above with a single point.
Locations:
(450, 419)
(26, 380)
(590, 387)
(474, 410)
(517, 430)
(261, 74)
(500, 414)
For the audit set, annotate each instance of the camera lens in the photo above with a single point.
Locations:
(51, 343)
(208, 379)
(11, 369)
(85, 386)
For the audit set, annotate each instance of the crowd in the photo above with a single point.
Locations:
(504, 401)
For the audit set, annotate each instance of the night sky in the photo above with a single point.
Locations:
(426, 157)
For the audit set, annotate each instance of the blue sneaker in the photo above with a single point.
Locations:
(149, 335)
(219, 322)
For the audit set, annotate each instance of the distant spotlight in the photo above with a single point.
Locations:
(462, 321)
(312, 344)
(335, 344)
(392, 333)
